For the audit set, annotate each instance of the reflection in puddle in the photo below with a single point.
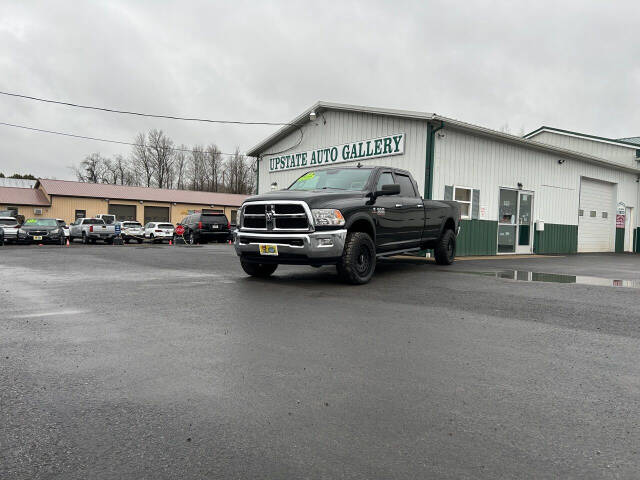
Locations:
(526, 276)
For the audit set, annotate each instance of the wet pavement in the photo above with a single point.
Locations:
(145, 362)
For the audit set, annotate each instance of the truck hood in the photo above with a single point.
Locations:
(313, 198)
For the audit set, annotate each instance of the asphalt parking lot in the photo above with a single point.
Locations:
(168, 362)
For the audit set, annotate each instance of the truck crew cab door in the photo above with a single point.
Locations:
(411, 211)
(387, 216)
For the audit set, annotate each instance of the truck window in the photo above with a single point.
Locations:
(406, 186)
(385, 179)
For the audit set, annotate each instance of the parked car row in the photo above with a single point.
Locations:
(198, 228)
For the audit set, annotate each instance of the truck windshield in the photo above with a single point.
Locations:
(333, 178)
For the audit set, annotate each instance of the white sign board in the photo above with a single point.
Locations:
(347, 152)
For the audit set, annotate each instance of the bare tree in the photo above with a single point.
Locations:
(160, 149)
(91, 169)
(142, 160)
(214, 167)
(180, 167)
(240, 177)
(197, 168)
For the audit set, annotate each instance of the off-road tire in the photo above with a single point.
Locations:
(262, 270)
(445, 251)
(358, 260)
(192, 239)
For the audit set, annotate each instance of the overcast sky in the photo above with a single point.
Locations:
(573, 65)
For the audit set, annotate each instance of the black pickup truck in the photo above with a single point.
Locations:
(343, 216)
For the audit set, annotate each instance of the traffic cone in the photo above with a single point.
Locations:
(67, 242)
(170, 242)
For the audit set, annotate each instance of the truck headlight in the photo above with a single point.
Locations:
(22, 232)
(327, 216)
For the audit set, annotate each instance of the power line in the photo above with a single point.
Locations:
(99, 139)
(140, 114)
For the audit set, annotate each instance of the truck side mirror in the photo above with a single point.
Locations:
(390, 189)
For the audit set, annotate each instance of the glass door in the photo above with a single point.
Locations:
(525, 209)
(515, 221)
(507, 219)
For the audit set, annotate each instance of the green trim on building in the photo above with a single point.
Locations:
(635, 240)
(477, 237)
(620, 240)
(429, 160)
(258, 175)
(556, 238)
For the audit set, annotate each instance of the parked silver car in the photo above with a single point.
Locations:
(10, 227)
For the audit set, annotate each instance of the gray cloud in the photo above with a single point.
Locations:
(568, 64)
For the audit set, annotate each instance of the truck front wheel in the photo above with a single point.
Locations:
(358, 261)
(262, 270)
(445, 251)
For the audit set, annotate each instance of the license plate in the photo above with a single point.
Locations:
(37, 237)
(167, 232)
(266, 249)
(215, 227)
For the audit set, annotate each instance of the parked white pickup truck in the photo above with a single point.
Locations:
(91, 230)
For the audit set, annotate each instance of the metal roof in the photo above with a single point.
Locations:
(472, 129)
(122, 192)
(634, 140)
(17, 182)
(14, 196)
(621, 141)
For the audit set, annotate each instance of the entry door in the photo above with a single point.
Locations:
(525, 211)
(515, 221)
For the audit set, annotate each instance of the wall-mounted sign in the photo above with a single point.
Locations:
(347, 152)
(620, 209)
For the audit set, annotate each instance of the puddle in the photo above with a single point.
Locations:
(527, 276)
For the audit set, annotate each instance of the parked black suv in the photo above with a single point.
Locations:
(205, 227)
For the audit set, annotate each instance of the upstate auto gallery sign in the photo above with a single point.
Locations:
(347, 152)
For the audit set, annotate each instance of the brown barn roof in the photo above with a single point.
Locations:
(102, 190)
(22, 196)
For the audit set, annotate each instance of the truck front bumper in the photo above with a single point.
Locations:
(298, 248)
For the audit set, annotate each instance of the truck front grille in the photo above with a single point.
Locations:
(276, 216)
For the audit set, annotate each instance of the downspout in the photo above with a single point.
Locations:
(428, 169)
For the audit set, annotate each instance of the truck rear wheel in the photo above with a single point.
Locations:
(358, 261)
(445, 251)
(262, 270)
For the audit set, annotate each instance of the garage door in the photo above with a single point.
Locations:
(597, 216)
(123, 212)
(156, 214)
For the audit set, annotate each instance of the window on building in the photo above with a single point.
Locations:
(234, 216)
(593, 213)
(605, 214)
(581, 213)
(464, 197)
(81, 214)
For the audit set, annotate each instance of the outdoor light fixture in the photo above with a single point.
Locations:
(561, 161)
(312, 115)
(141, 201)
(274, 186)
(519, 186)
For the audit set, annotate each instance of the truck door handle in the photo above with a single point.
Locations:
(398, 205)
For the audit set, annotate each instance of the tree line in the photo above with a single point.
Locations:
(154, 161)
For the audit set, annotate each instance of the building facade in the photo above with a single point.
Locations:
(545, 193)
(71, 200)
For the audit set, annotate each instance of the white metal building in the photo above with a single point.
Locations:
(553, 191)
